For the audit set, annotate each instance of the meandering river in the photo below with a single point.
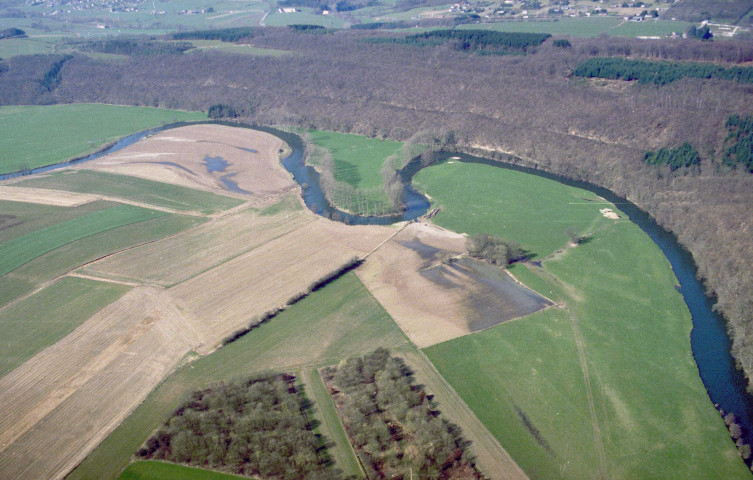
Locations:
(709, 340)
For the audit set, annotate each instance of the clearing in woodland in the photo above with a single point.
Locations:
(605, 386)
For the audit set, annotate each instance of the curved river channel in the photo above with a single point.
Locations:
(709, 340)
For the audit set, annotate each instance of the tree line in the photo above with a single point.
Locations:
(133, 46)
(479, 40)
(391, 423)
(256, 427)
(224, 34)
(658, 73)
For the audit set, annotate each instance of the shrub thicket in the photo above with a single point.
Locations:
(493, 249)
(391, 423)
(258, 427)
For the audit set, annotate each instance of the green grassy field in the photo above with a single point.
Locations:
(358, 159)
(10, 47)
(25, 248)
(29, 131)
(74, 254)
(358, 162)
(481, 198)
(604, 386)
(135, 189)
(304, 17)
(329, 423)
(19, 218)
(153, 470)
(44, 318)
(337, 322)
(587, 27)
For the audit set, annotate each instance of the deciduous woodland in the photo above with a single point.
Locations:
(528, 109)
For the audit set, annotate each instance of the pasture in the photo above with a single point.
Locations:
(44, 318)
(30, 131)
(358, 159)
(154, 470)
(587, 26)
(531, 210)
(234, 48)
(22, 249)
(134, 189)
(605, 386)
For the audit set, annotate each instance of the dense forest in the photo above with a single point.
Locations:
(659, 73)
(391, 423)
(529, 109)
(257, 427)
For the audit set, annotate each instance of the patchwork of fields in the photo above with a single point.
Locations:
(120, 278)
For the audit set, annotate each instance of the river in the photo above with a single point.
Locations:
(710, 343)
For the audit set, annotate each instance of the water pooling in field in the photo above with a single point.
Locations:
(709, 340)
(219, 164)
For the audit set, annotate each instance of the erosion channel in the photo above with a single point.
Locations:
(710, 343)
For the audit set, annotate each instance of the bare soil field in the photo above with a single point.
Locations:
(45, 197)
(435, 296)
(172, 260)
(178, 156)
(62, 402)
(231, 295)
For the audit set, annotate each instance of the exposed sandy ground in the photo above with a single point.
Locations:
(609, 213)
(45, 197)
(433, 295)
(177, 156)
(426, 312)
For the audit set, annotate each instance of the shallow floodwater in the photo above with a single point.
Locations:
(709, 340)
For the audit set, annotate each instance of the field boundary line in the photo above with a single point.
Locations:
(49, 282)
(495, 462)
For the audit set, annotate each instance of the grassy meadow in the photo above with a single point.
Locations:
(605, 385)
(154, 470)
(135, 189)
(336, 322)
(587, 26)
(60, 249)
(47, 316)
(25, 248)
(358, 159)
(479, 198)
(35, 136)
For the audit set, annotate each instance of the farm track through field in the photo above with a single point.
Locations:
(580, 344)
(490, 457)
